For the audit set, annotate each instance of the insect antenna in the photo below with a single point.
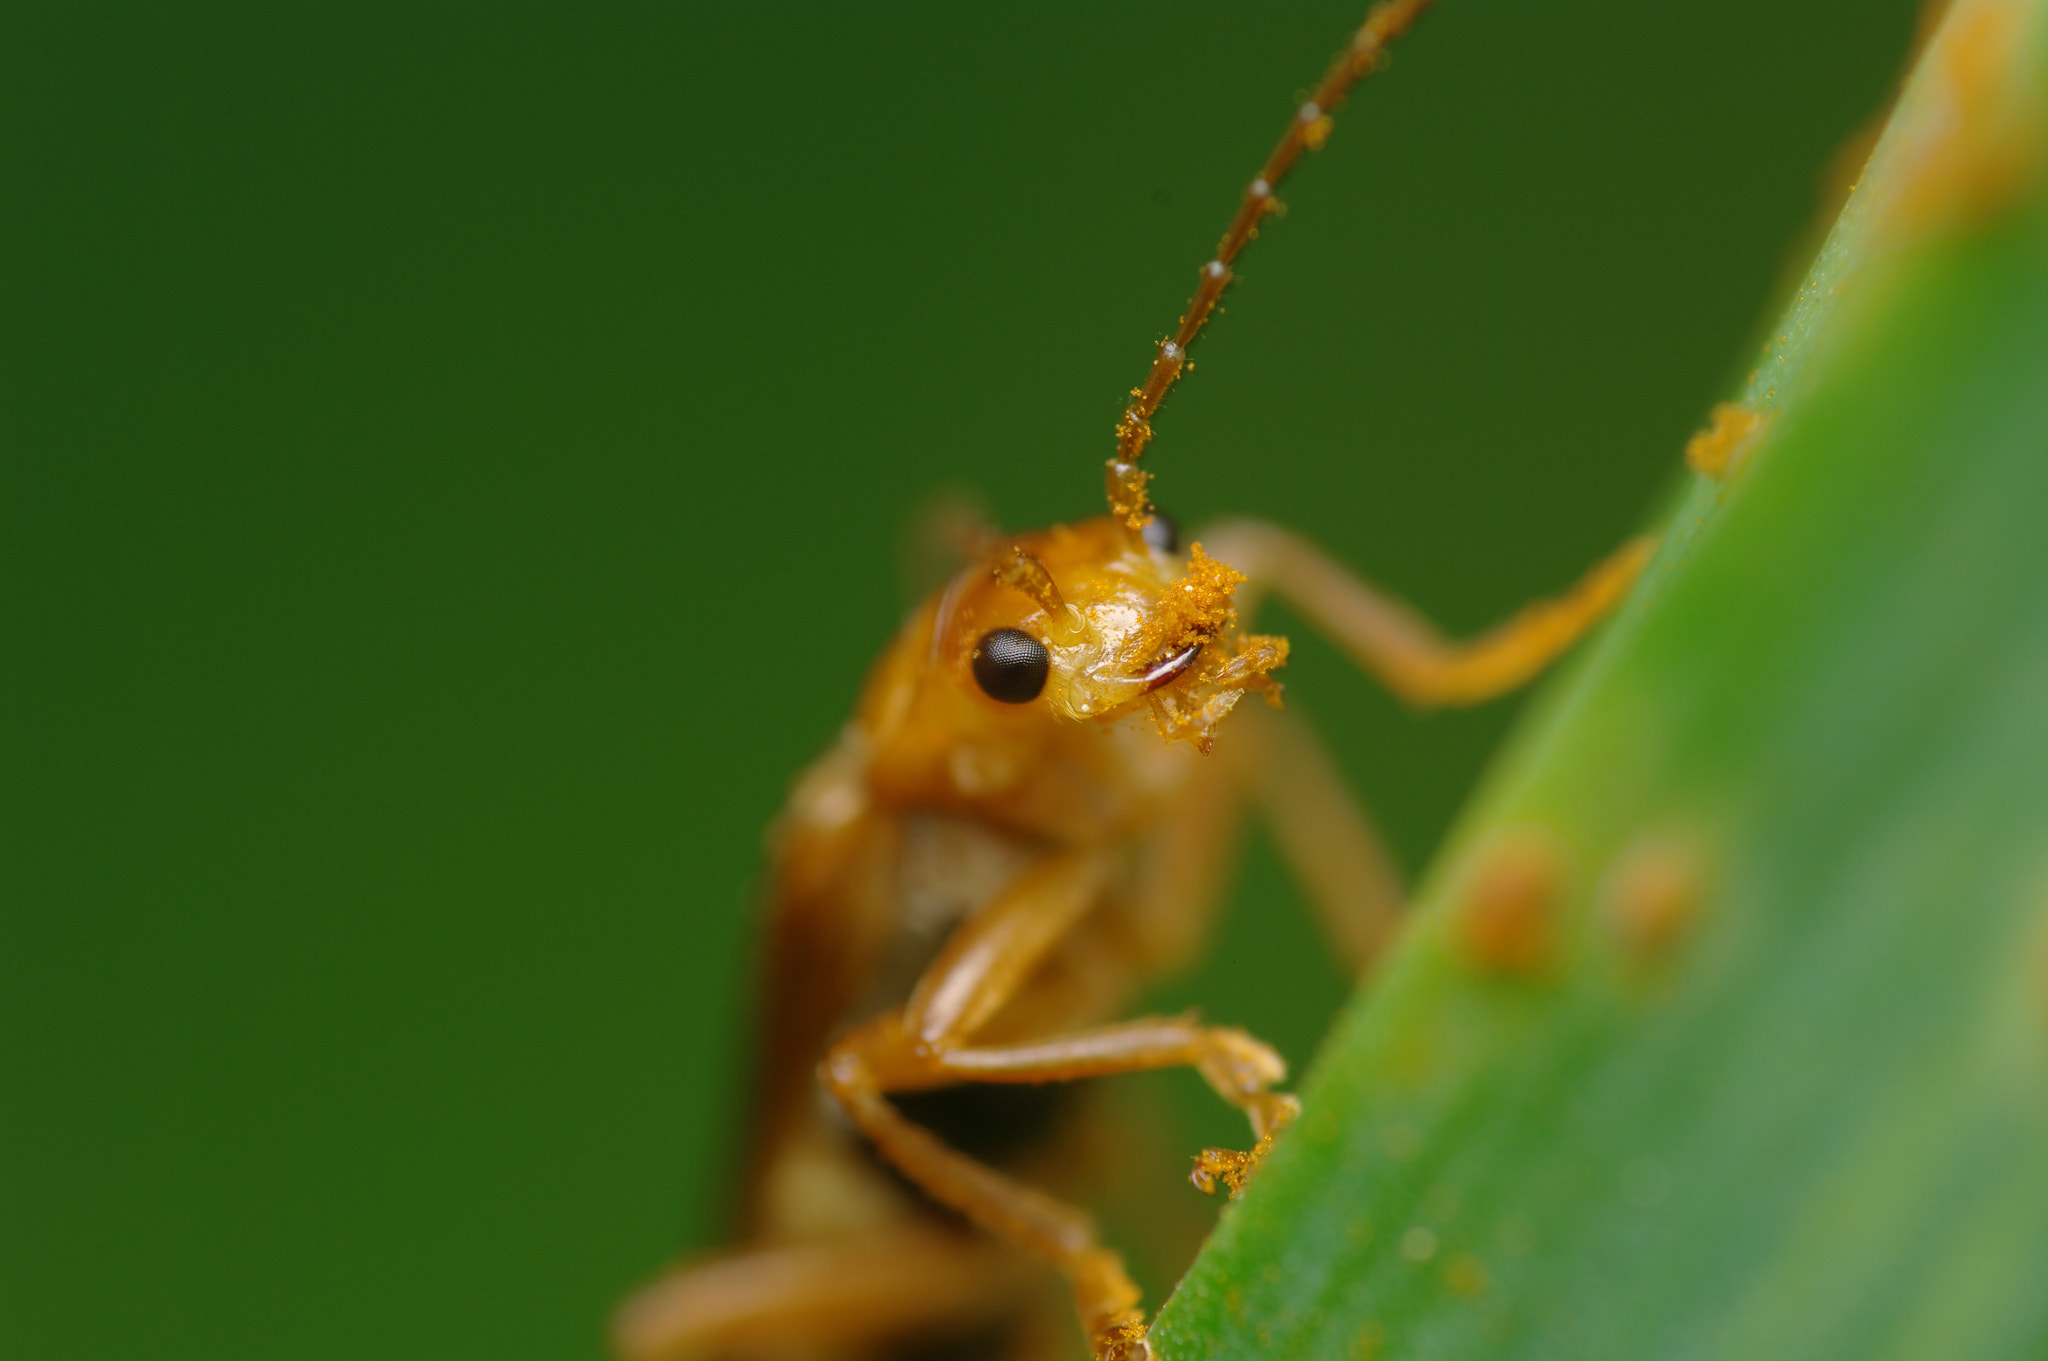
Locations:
(1306, 131)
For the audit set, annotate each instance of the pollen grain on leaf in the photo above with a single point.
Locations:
(1720, 450)
(1984, 148)
(1652, 894)
(1465, 1274)
(1506, 918)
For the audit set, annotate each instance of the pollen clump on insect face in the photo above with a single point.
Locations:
(1191, 612)
(1128, 627)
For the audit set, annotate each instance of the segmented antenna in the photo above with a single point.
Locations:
(1307, 130)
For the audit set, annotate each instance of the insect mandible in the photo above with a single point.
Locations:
(1013, 835)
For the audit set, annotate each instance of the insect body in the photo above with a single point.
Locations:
(968, 889)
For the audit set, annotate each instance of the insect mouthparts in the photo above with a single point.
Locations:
(1172, 668)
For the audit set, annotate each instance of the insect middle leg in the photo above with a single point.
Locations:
(1325, 837)
(929, 1042)
(891, 1281)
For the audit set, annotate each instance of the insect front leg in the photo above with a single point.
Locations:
(1400, 647)
(930, 1042)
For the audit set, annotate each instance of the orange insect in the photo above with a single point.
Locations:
(968, 889)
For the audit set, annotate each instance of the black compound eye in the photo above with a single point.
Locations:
(1010, 665)
(1161, 532)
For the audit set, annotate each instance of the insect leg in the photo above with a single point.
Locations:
(1325, 837)
(1104, 1294)
(926, 1044)
(880, 1057)
(983, 966)
(1237, 1067)
(1186, 863)
(801, 1297)
(991, 954)
(1399, 646)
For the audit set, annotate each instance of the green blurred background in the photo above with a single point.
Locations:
(455, 472)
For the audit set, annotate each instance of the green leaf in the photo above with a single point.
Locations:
(1722, 1030)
